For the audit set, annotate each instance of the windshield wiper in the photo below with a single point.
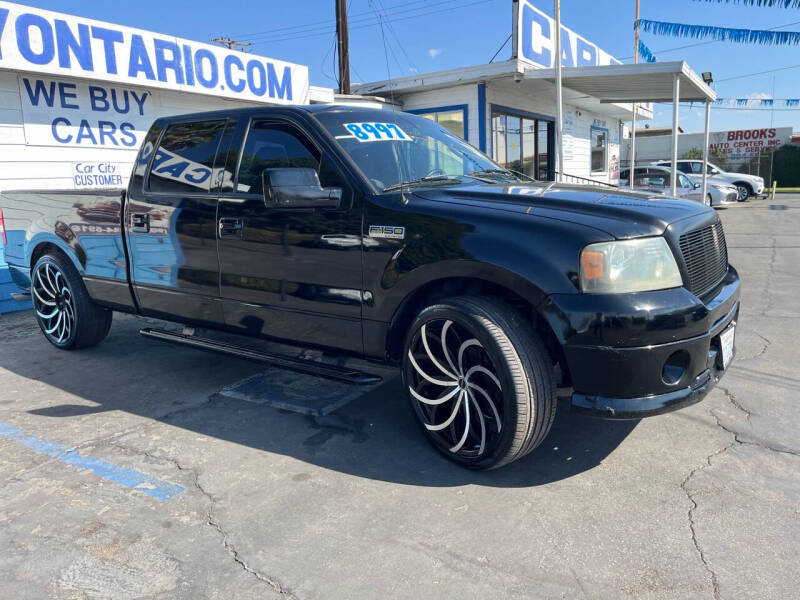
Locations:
(504, 173)
(420, 181)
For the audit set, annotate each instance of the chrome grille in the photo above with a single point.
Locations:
(705, 256)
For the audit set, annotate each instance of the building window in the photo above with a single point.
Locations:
(599, 150)
(452, 118)
(522, 142)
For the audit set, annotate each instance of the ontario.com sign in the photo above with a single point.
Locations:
(39, 41)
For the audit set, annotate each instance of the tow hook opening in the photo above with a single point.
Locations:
(675, 367)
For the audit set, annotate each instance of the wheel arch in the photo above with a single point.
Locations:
(746, 184)
(52, 244)
(524, 299)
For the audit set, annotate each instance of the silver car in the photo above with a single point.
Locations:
(659, 180)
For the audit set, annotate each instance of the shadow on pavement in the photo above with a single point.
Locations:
(375, 436)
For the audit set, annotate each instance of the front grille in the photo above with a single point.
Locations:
(705, 256)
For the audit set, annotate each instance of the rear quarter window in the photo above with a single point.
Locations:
(184, 160)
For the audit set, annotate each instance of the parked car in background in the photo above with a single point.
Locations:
(659, 180)
(746, 185)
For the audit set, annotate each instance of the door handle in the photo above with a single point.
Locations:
(140, 223)
(230, 227)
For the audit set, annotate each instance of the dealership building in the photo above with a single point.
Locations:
(78, 95)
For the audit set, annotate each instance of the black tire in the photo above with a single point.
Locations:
(59, 293)
(515, 409)
(745, 191)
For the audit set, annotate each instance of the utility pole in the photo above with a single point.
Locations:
(632, 157)
(230, 44)
(343, 46)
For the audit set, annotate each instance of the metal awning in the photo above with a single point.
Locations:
(642, 82)
(673, 82)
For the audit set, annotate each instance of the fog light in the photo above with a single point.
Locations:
(675, 367)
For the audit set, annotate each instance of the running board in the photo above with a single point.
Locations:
(277, 360)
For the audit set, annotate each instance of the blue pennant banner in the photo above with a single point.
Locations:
(768, 3)
(645, 54)
(721, 34)
(762, 102)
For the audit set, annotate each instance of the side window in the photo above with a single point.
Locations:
(684, 181)
(697, 168)
(271, 145)
(185, 158)
(685, 167)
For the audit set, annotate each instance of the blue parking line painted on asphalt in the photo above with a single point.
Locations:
(163, 490)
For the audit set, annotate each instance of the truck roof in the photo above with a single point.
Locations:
(262, 110)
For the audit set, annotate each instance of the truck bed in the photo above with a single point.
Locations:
(85, 225)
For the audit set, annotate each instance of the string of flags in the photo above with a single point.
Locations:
(721, 34)
(768, 3)
(645, 53)
(761, 102)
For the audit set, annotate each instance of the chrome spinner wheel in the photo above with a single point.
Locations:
(455, 389)
(54, 303)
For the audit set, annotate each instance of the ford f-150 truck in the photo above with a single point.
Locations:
(380, 234)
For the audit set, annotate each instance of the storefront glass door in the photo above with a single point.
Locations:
(523, 143)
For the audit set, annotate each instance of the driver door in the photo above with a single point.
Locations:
(288, 273)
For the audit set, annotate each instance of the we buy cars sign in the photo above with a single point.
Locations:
(747, 143)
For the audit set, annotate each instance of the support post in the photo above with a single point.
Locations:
(705, 150)
(676, 100)
(559, 104)
(632, 157)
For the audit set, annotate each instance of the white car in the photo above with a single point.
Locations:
(658, 180)
(746, 185)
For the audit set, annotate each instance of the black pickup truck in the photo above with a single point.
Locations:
(382, 235)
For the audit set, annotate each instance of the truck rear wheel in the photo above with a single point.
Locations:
(480, 381)
(67, 316)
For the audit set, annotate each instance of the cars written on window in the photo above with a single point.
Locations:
(184, 159)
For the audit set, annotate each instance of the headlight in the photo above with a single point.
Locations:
(629, 266)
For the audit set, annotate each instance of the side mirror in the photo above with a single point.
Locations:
(696, 186)
(297, 187)
(715, 171)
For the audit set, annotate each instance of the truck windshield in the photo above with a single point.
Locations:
(394, 148)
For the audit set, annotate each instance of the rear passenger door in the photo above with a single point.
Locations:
(290, 273)
(170, 224)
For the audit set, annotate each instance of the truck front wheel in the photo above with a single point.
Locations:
(479, 380)
(67, 316)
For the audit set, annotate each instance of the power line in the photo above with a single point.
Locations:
(508, 39)
(397, 39)
(330, 30)
(323, 22)
(758, 73)
(354, 19)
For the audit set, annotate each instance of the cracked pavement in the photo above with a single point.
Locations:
(701, 503)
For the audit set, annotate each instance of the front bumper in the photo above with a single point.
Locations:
(637, 355)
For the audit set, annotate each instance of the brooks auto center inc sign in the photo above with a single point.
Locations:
(96, 106)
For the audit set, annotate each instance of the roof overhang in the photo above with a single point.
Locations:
(643, 82)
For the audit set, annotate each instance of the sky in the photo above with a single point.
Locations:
(432, 35)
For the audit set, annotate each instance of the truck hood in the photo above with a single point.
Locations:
(621, 214)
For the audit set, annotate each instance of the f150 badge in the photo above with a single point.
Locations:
(387, 232)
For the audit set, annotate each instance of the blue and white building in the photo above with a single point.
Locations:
(508, 108)
(78, 95)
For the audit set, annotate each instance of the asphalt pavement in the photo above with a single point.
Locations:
(125, 474)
